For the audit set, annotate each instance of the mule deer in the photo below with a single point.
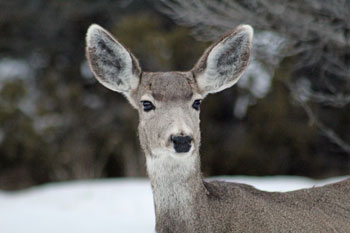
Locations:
(168, 106)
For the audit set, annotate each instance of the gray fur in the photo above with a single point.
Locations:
(168, 86)
(230, 207)
(113, 65)
(223, 63)
(184, 202)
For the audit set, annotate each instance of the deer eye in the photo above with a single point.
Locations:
(196, 104)
(147, 106)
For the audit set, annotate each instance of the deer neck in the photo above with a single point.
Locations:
(178, 190)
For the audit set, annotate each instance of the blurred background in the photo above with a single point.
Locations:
(289, 114)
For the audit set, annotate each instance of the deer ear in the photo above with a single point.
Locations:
(223, 63)
(113, 65)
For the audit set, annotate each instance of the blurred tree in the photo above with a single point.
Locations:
(73, 127)
(314, 37)
(68, 131)
(22, 149)
(316, 33)
(167, 47)
(58, 123)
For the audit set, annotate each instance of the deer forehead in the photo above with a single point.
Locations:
(168, 86)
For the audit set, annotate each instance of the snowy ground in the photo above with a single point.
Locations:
(103, 206)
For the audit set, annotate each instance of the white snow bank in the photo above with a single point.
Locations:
(104, 206)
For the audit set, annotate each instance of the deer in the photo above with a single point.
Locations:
(168, 105)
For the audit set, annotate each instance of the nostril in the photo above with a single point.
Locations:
(181, 143)
(181, 139)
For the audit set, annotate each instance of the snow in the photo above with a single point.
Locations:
(104, 206)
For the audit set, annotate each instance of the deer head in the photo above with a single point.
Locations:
(168, 103)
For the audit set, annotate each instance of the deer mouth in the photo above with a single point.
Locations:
(182, 148)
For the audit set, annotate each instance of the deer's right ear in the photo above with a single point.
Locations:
(223, 63)
(112, 64)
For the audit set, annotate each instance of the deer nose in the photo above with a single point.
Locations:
(182, 144)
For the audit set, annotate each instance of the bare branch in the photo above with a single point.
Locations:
(299, 97)
(316, 33)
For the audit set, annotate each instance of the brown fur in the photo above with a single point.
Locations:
(184, 202)
(168, 86)
(322, 209)
(231, 207)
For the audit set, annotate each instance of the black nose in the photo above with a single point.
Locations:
(182, 144)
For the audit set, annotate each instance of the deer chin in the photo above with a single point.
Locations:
(166, 164)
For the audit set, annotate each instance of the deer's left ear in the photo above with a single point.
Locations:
(223, 63)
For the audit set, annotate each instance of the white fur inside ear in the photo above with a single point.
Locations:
(227, 61)
(110, 61)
